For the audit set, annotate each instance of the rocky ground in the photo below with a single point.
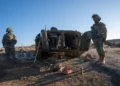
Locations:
(39, 74)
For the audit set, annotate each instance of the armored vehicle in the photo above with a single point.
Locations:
(62, 42)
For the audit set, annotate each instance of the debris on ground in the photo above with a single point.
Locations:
(67, 70)
(81, 61)
(82, 72)
(56, 67)
(89, 57)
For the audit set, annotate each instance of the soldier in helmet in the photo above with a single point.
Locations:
(99, 34)
(8, 41)
(37, 42)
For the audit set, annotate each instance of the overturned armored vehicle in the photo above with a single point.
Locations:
(61, 42)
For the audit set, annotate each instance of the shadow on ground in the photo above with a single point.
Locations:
(53, 78)
(12, 71)
(113, 73)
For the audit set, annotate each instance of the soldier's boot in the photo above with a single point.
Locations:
(100, 59)
(103, 60)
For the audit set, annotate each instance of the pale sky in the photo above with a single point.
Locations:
(28, 17)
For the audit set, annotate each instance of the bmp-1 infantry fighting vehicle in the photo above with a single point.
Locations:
(61, 42)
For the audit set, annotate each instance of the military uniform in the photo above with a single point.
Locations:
(99, 34)
(8, 41)
(37, 41)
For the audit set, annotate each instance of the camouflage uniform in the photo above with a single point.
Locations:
(37, 41)
(99, 34)
(8, 41)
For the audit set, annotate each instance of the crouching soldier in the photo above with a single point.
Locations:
(99, 34)
(9, 41)
(37, 42)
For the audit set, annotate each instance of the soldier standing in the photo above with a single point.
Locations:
(99, 34)
(9, 41)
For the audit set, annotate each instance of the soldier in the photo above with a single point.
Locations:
(99, 34)
(37, 42)
(9, 41)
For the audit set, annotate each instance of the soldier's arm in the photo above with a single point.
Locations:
(103, 31)
(14, 39)
(3, 40)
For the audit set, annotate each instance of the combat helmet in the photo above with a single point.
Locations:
(96, 16)
(9, 29)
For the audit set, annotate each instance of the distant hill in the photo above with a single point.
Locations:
(113, 42)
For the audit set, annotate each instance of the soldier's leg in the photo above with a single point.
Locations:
(97, 47)
(97, 43)
(12, 53)
(7, 52)
(101, 51)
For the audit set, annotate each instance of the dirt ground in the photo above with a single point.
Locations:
(39, 74)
